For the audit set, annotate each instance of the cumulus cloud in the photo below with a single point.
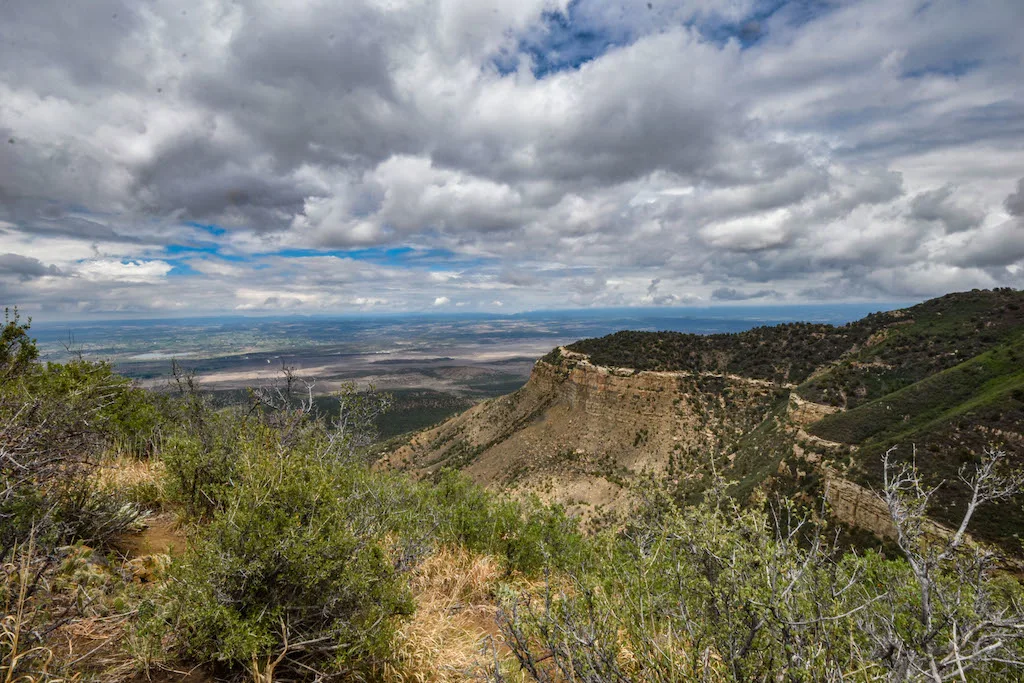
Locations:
(111, 270)
(442, 301)
(731, 294)
(215, 155)
(1015, 202)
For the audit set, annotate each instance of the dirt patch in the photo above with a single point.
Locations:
(161, 676)
(805, 413)
(162, 535)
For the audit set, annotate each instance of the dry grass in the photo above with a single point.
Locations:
(23, 657)
(453, 634)
(138, 481)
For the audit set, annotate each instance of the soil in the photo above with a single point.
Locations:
(161, 535)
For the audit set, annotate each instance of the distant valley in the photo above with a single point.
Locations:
(434, 366)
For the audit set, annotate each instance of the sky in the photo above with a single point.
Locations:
(192, 157)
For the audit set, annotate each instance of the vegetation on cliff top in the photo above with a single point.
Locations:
(911, 344)
(945, 376)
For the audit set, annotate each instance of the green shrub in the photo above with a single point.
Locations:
(296, 556)
(55, 421)
(528, 536)
(715, 592)
(197, 474)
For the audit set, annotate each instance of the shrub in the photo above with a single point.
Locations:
(528, 536)
(295, 571)
(54, 422)
(198, 474)
(715, 592)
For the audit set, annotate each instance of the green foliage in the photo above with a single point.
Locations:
(552, 357)
(716, 592)
(199, 474)
(295, 556)
(880, 353)
(782, 353)
(126, 417)
(411, 410)
(303, 543)
(528, 536)
(17, 350)
(908, 346)
(55, 421)
(968, 384)
(949, 417)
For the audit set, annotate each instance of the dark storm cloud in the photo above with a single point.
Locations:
(938, 205)
(1000, 245)
(1015, 202)
(198, 182)
(25, 267)
(77, 45)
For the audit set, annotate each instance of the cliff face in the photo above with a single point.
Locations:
(801, 410)
(576, 432)
(858, 506)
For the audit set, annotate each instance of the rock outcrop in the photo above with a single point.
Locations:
(576, 431)
(857, 506)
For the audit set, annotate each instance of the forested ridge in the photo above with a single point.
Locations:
(915, 342)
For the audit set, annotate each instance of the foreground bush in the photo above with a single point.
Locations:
(292, 571)
(301, 561)
(55, 422)
(527, 535)
(715, 592)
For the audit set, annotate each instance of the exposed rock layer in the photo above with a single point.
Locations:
(576, 431)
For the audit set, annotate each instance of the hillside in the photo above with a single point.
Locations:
(578, 432)
(804, 410)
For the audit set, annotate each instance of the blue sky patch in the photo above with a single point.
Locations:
(751, 29)
(564, 41)
(214, 230)
(567, 40)
(181, 268)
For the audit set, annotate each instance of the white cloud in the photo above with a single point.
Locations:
(108, 270)
(442, 301)
(835, 154)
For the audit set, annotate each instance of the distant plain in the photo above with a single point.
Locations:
(435, 365)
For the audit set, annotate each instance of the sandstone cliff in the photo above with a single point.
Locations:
(577, 432)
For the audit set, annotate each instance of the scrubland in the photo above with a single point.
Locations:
(151, 536)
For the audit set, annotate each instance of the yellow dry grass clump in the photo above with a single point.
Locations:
(137, 479)
(453, 634)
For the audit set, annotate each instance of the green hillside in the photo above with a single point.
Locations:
(945, 421)
(909, 345)
(841, 365)
(944, 377)
(782, 353)
(913, 408)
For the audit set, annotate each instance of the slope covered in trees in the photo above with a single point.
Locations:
(878, 353)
